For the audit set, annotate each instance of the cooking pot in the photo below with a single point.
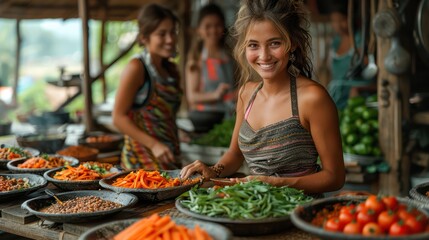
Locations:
(5, 128)
(45, 143)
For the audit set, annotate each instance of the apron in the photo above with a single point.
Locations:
(154, 112)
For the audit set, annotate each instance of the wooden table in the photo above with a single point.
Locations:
(17, 221)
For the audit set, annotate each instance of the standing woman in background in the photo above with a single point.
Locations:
(210, 72)
(149, 95)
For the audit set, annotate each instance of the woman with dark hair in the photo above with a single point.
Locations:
(285, 120)
(149, 95)
(210, 72)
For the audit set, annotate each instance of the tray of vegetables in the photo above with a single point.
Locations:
(157, 227)
(251, 208)
(8, 153)
(361, 217)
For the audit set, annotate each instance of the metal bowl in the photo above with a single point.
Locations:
(70, 184)
(113, 145)
(34, 205)
(243, 227)
(302, 216)
(33, 152)
(153, 195)
(418, 193)
(362, 160)
(13, 165)
(36, 183)
(109, 230)
(43, 142)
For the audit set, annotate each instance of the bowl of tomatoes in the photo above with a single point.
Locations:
(363, 217)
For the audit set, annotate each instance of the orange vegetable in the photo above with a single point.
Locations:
(148, 179)
(156, 227)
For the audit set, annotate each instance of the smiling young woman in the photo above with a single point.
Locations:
(285, 121)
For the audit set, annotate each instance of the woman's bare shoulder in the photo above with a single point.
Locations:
(312, 93)
(248, 89)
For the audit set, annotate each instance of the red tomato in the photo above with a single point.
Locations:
(333, 224)
(365, 216)
(386, 219)
(390, 202)
(375, 203)
(360, 206)
(415, 224)
(404, 213)
(351, 208)
(372, 229)
(346, 217)
(399, 229)
(353, 228)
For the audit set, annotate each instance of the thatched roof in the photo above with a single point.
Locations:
(115, 10)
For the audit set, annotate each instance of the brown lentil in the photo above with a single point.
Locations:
(87, 204)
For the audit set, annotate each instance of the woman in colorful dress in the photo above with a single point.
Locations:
(285, 121)
(149, 95)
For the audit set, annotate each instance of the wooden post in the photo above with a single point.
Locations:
(17, 63)
(86, 84)
(184, 44)
(393, 93)
(102, 45)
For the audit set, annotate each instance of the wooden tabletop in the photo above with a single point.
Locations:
(17, 221)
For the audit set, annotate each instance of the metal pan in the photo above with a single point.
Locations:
(34, 206)
(153, 195)
(13, 165)
(35, 181)
(109, 230)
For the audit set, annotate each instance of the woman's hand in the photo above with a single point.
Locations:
(197, 167)
(161, 152)
(249, 178)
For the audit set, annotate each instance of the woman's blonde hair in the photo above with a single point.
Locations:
(290, 19)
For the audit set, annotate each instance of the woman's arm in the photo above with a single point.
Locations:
(233, 158)
(194, 95)
(131, 80)
(319, 115)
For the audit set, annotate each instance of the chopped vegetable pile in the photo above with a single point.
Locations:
(250, 200)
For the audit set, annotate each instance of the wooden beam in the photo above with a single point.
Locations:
(107, 66)
(17, 63)
(393, 92)
(86, 84)
(104, 13)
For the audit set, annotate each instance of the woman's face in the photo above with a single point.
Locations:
(339, 23)
(211, 29)
(266, 50)
(163, 40)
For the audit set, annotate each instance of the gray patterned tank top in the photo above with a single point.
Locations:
(284, 148)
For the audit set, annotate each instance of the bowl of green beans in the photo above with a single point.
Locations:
(247, 209)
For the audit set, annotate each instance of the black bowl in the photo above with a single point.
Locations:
(153, 195)
(109, 230)
(5, 128)
(33, 152)
(44, 143)
(34, 206)
(13, 165)
(243, 227)
(418, 193)
(302, 216)
(70, 185)
(35, 181)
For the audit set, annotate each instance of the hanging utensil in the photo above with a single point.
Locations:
(421, 31)
(386, 25)
(371, 70)
(357, 62)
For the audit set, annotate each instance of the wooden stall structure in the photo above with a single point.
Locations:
(102, 10)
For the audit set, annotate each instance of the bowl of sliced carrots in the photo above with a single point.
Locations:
(41, 164)
(156, 227)
(8, 153)
(82, 177)
(150, 185)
